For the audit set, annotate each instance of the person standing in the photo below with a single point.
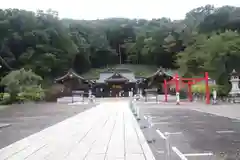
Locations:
(214, 96)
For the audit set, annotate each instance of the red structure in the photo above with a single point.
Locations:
(189, 82)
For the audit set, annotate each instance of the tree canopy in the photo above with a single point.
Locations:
(207, 39)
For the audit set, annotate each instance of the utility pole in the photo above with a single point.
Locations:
(120, 55)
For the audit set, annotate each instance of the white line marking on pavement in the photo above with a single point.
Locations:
(173, 133)
(197, 154)
(162, 123)
(160, 152)
(225, 131)
(149, 116)
(154, 117)
(4, 125)
(181, 156)
(161, 134)
(165, 118)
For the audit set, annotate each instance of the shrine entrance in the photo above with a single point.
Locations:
(116, 90)
(115, 83)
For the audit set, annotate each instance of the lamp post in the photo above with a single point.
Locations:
(235, 85)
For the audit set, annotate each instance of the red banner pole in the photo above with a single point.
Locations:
(207, 89)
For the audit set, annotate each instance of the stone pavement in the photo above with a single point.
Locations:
(197, 130)
(22, 120)
(106, 132)
(223, 109)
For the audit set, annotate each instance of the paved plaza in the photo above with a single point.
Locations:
(198, 131)
(106, 132)
(18, 121)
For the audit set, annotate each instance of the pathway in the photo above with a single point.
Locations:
(106, 132)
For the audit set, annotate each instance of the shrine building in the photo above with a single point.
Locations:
(113, 82)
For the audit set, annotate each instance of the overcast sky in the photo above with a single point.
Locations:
(94, 9)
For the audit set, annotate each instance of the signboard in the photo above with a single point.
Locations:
(210, 81)
(76, 94)
(117, 86)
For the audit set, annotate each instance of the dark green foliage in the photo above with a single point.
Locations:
(23, 85)
(206, 40)
(49, 46)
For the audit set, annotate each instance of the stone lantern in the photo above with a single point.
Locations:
(235, 91)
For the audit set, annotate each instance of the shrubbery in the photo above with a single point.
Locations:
(4, 98)
(33, 93)
(201, 89)
(22, 85)
(54, 92)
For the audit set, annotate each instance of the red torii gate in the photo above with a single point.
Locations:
(190, 81)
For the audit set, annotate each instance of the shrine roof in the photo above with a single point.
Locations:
(71, 73)
(163, 71)
(116, 75)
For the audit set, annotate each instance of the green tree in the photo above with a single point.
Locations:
(223, 18)
(19, 81)
(49, 46)
(218, 54)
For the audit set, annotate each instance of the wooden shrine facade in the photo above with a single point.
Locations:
(156, 81)
(72, 82)
(115, 82)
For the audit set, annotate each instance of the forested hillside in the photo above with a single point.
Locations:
(206, 40)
